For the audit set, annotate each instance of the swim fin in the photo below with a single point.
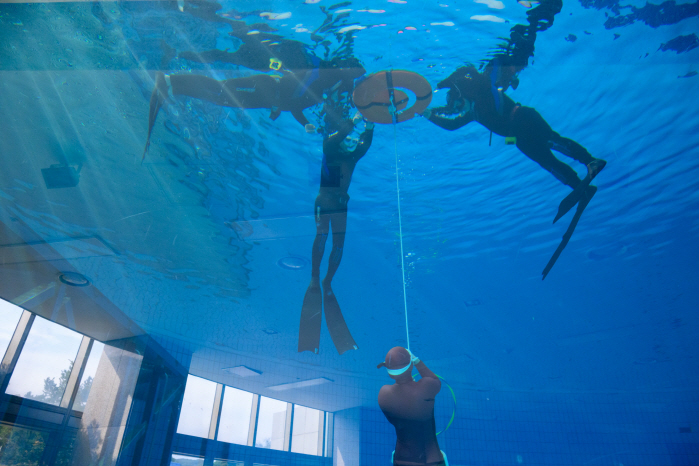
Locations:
(156, 101)
(591, 190)
(336, 323)
(593, 168)
(311, 319)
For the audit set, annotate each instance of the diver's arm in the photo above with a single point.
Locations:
(364, 141)
(300, 117)
(332, 142)
(430, 382)
(439, 118)
(425, 371)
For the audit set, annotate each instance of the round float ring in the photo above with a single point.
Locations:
(379, 97)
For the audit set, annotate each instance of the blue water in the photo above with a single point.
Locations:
(206, 227)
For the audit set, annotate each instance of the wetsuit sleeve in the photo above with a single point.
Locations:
(364, 144)
(332, 143)
(439, 118)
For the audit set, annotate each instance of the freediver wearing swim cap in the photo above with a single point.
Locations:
(480, 97)
(342, 149)
(409, 407)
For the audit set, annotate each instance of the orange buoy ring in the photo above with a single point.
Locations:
(379, 97)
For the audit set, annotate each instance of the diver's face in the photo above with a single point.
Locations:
(350, 143)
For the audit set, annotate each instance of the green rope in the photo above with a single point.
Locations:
(453, 413)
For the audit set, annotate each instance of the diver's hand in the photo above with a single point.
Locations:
(357, 118)
(414, 359)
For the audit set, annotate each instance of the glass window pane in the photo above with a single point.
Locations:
(88, 376)
(228, 463)
(197, 406)
(235, 416)
(270, 424)
(9, 316)
(45, 363)
(21, 446)
(304, 437)
(184, 460)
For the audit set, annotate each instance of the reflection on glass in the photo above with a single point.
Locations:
(270, 424)
(183, 460)
(228, 463)
(235, 416)
(45, 363)
(304, 438)
(88, 376)
(21, 446)
(9, 316)
(197, 406)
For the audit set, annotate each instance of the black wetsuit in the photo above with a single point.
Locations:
(501, 115)
(331, 203)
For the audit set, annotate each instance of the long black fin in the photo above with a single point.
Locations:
(569, 232)
(311, 319)
(342, 338)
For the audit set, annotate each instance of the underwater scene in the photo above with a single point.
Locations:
(357, 233)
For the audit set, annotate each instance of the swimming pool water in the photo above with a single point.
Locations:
(203, 249)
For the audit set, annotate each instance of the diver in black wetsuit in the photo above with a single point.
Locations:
(409, 406)
(341, 152)
(293, 92)
(479, 97)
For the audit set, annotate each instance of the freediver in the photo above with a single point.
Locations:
(409, 406)
(480, 97)
(342, 149)
(293, 91)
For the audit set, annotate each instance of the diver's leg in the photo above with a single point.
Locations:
(322, 230)
(339, 332)
(338, 223)
(533, 135)
(256, 91)
(542, 155)
(535, 138)
(567, 175)
(575, 151)
(197, 86)
(569, 148)
(312, 309)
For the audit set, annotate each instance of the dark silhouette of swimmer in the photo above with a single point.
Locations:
(341, 151)
(293, 91)
(409, 406)
(479, 97)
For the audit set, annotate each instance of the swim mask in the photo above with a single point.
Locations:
(350, 142)
(395, 356)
